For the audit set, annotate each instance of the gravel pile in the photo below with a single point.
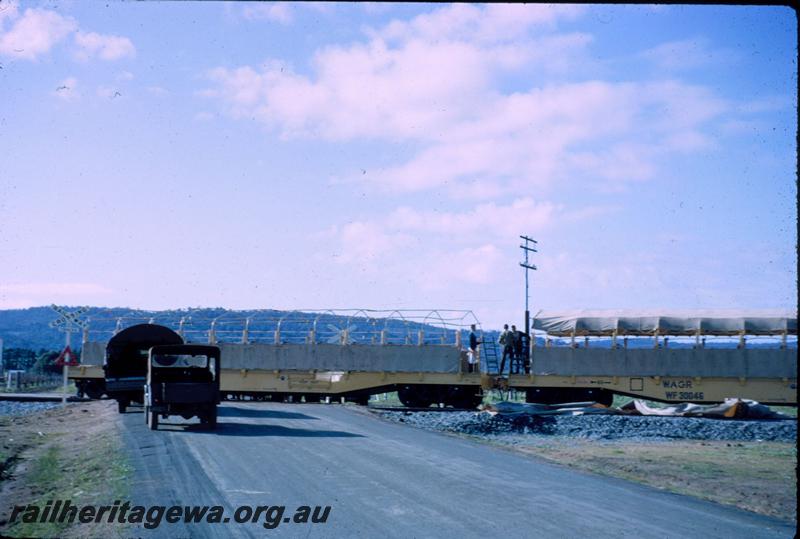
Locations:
(600, 427)
(24, 408)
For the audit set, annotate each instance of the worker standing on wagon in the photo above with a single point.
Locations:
(507, 340)
(518, 363)
(472, 355)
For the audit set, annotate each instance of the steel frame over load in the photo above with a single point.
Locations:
(303, 326)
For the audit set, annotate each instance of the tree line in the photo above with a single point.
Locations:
(24, 359)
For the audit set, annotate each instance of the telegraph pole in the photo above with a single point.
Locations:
(527, 248)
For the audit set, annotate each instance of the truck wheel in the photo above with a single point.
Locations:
(122, 406)
(152, 420)
(212, 418)
(93, 390)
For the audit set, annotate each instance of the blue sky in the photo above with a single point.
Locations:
(269, 155)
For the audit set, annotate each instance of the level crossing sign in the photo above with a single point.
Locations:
(67, 357)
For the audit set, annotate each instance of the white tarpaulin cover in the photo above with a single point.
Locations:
(730, 409)
(514, 409)
(720, 322)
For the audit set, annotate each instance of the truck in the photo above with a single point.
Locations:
(182, 379)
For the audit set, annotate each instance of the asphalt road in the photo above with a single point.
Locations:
(383, 479)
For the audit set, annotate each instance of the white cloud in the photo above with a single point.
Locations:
(35, 33)
(452, 246)
(439, 250)
(470, 265)
(280, 12)
(363, 242)
(67, 89)
(494, 22)
(488, 220)
(377, 89)
(531, 140)
(434, 81)
(105, 47)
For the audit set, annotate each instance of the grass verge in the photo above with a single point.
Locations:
(755, 476)
(88, 469)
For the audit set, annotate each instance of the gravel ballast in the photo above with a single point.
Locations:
(24, 408)
(599, 427)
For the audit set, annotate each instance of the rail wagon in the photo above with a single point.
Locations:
(701, 359)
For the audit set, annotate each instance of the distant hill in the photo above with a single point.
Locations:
(29, 328)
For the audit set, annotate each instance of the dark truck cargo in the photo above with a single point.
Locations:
(182, 380)
(126, 360)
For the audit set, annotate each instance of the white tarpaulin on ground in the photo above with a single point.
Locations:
(730, 409)
(719, 322)
(511, 409)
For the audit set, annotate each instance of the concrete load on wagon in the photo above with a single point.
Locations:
(324, 357)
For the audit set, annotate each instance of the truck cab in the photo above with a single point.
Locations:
(182, 380)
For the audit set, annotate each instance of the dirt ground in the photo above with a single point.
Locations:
(755, 476)
(62, 453)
